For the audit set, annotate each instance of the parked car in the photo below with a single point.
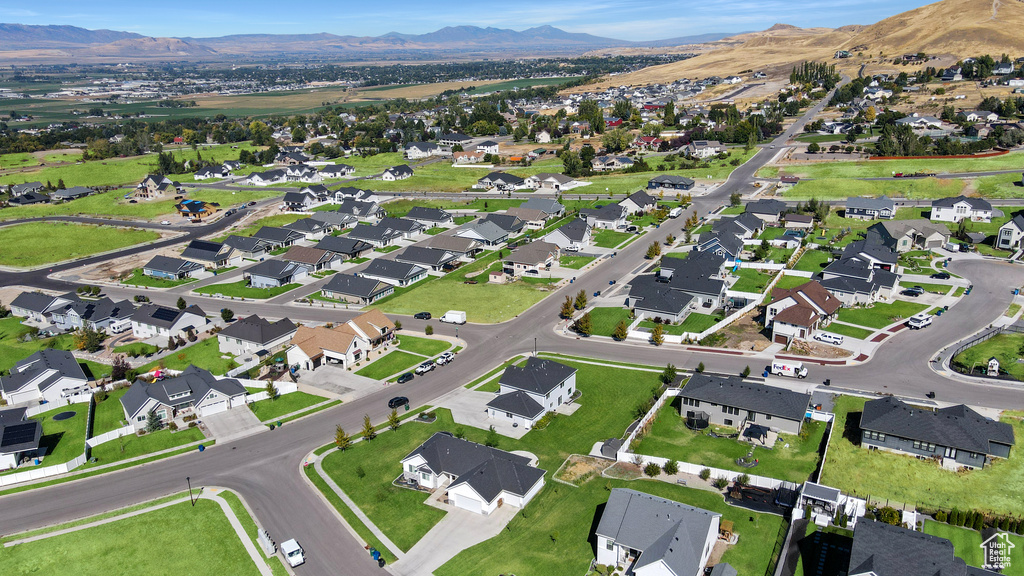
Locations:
(445, 358)
(405, 377)
(397, 401)
(166, 222)
(911, 293)
(941, 276)
(422, 315)
(252, 204)
(425, 367)
(827, 338)
(632, 229)
(918, 321)
(293, 552)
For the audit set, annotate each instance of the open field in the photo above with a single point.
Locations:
(1004, 347)
(18, 160)
(275, 221)
(39, 243)
(842, 188)
(180, 539)
(886, 168)
(902, 478)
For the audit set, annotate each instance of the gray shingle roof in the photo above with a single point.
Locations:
(306, 226)
(506, 222)
(374, 233)
(34, 301)
(657, 296)
(956, 426)
(608, 212)
(974, 203)
(275, 269)
(733, 391)
(641, 198)
(356, 286)
(870, 204)
(428, 214)
(766, 206)
(392, 269)
(61, 363)
(248, 243)
(202, 250)
(575, 230)
(194, 380)
(543, 204)
(258, 330)
(343, 245)
(278, 235)
(400, 224)
(171, 265)
(672, 179)
(887, 550)
(487, 230)
(538, 376)
(519, 403)
(163, 316)
(425, 256)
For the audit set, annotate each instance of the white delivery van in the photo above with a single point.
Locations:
(454, 317)
(293, 553)
(675, 212)
(789, 368)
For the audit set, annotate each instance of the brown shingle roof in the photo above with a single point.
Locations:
(305, 255)
(813, 292)
(313, 341)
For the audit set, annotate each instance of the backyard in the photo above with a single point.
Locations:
(204, 354)
(923, 483)
(793, 458)
(39, 243)
(63, 440)
(880, 315)
(693, 323)
(241, 289)
(967, 544)
(813, 261)
(1005, 347)
(750, 280)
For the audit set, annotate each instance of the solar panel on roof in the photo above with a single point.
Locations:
(19, 434)
(203, 245)
(165, 314)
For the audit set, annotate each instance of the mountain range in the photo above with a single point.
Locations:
(47, 43)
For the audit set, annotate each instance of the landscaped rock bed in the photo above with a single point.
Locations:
(578, 469)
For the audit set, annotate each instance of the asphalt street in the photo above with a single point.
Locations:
(265, 468)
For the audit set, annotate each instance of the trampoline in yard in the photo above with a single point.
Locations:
(64, 415)
(697, 420)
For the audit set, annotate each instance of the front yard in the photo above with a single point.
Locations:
(694, 323)
(394, 362)
(575, 262)
(880, 315)
(610, 238)
(241, 289)
(604, 320)
(424, 346)
(670, 438)
(901, 478)
(284, 404)
(139, 279)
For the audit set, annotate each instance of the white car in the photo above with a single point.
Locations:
(445, 358)
(166, 223)
(425, 367)
(572, 248)
(918, 321)
(827, 338)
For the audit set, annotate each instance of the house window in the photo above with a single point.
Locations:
(412, 468)
(767, 416)
(871, 435)
(730, 410)
(609, 544)
(728, 422)
(918, 445)
(140, 419)
(691, 402)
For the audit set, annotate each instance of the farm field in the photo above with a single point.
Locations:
(886, 168)
(39, 243)
(842, 188)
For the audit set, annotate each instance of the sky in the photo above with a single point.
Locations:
(637, 20)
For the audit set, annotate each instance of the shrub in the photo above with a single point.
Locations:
(889, 515)
(940, 516)
(705, 474)
(429, 330)
(720, 483)
(652, 469)
(979, 521)
(173, 426)
(700, 367)
(743, 479)
(670, 468)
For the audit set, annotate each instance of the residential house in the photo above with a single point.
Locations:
(468, 157)
(360, 209)
(730, 401)
(720, 243)
(335, 220)
(607, 163)
(767, 209)
(152, 320)
(37, 306)
(194, 391)
(547, 181)
(401, 172)
(487, 147)
(279, 237)
(299, 201)
(1009, 237)
(698, 282)
(904, 235)
(170, 268)
(314, 258)
(863, 208)
(275, 176)
(608, 217)
(531, 259)
(374, 235)
(526, 394)
(454, 140)
(460, 246)
(952, 74)
(345, 247)
(501, 181)
(194, 210)
(429, 258)
(652, 298)
(345, 344)
(418, 150)
(276, 273)
(336, 171)
(208, 172)
(484, 232)
(648, 143)
(211, 254)
(73, 193)
(546, 205)
(856, 281)
(880, 549)
(19, 189)
(543, 137)
(429, 217)
(103, 314)
(310, 228)
(639, 202)
(479, 478)
(957, 436)
(961, 207)
(532, 219)
(28, 199)
(977, 116)
(405, 227)
(153, 186)
(507, 222)
(704, 148)
(48, 375)
(255, 335)
(291, 158)
(231, 165)
(669, 182)
(655, 536)
(19, 438)
(795, 221)
(250, 247)
(798, 312)
(302, 173)
(919, 122)
(356, 290)
(393, 272)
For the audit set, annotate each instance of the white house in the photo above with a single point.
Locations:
(345, 344)
(526, 394)
(151, 320)
(573, 236)
(478, 478)
(194, 391)
(37, 306)
(1009, 237)
(956, 209)
(48, 375)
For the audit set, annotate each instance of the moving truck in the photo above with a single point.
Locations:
(454, 317)
(789, 368)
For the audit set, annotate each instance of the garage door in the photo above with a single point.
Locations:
(467, 503)
(781, 339)
(214, 408)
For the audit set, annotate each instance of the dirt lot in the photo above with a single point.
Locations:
(817, 350)
(745, 334)
(111, 268)
(578, 469)
(624, 471)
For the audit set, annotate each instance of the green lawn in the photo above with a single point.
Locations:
(435, 230)
(771, 233)
(886, 168)
(610, 238)
(842, 188)
(139, 279)
(436, 177)
(750, 280)
(134, 446)
(109, 414)
(204, 354)
(249, 527)
(851, 331)
(1000, 186)
(391, 363)
(241, 289)
(670, 438)
(787, 281)
(967, 545)
(40, 243)
(902, 478)
(1004, 347)
(18, 160)
(933, 288)
(733, 210)
(821, 138)
(604, 320)
(179, 539)
(813, 261)
(63, 440)
(693, 323)
(880, 315)
(12, 347)
(575, 262)
(275, 221)
(284, 404)
(386, 249)
(136, 349)
(425, 346)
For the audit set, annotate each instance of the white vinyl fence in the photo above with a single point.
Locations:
(43, 472)
(108, 436)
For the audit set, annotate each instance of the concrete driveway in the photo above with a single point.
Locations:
(470, 408)
(233, 424)
(339, 382)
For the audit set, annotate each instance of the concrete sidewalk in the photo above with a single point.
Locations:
(458, 530)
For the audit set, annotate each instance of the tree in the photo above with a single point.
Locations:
(658, 335)
(567, 307)
(870, 114)
(763, 250)
(429, 330)
(60, 184)
(700, 367)
(813, 148)
(271, 390)
(171, 343)
(583, 325)
(368, 432)
(119, 368)
(621, 331)
(226, 314)
(668, 375)
(616, 140)
(341, 439)
(88, 339)
(181, 303)
(735, 199)
(298, 134)
(745, 372)
(670, 113)
(393, 421)
(581, 300)
(653, 251)
(571, 163)
(889, 515)
(492, 439)
(152, 421)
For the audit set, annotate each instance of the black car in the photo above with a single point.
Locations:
(422, 315)
(910, 292)
(397, 401)
(405, 377)
(941, 276)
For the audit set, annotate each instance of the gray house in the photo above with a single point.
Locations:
(211, 254)
(429, 216)
(670, 182)
(103, 314)
(860, 208)
(275, 273)
(249, 246)
(729, 401)
(955, 436)
(194, 391)
(881, 549)
(430, 258)
(37, 306)
(170, 268)
(347, 248)
(255, 334)
(49, 375)
(357, 290)
(279, 237)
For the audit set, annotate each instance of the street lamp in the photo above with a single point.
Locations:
(534, 347)
(190, 499)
